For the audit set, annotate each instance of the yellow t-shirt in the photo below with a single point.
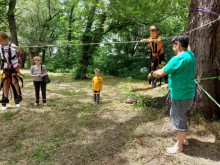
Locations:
(97, 83)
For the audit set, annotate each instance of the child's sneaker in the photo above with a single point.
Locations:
(36, 104)
(44, 104)
(4, 108)
(18, 99)
(4, 100)
(18, 105)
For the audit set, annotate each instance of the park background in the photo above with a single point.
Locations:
(71, 130)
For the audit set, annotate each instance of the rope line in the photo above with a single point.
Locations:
(203, 25)
(207, 78)
(85, 44)
(105, 43)
(207, 94)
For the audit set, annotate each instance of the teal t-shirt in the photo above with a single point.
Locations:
(181, 69)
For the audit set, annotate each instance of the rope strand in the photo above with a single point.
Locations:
(106, 43)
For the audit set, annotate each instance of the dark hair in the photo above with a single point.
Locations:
(182, 39)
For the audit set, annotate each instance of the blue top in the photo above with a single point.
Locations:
(181, 69)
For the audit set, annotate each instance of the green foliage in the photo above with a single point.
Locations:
(144, 100)
(80, 22)
(8, 115)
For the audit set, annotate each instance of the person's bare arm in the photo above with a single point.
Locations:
(189, 47)
(158, 73)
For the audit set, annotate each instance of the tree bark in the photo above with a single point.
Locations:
(32, 53)
(69, 36)
(11, 21)
(205, 45)
(44, 54)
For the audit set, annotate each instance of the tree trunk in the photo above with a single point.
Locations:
(69, 36)
(11, 21)
(23, 59)
(33, 53)
(44, 54)
(205, 45)
(90, 37)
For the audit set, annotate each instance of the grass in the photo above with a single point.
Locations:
(71, 130)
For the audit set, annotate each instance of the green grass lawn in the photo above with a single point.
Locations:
(71, 130)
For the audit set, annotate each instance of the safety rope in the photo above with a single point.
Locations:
(208, 78)
(106, 43)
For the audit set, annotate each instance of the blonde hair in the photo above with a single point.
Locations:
(3, 35)
(97, 70)
(154, 28)
(37, 57)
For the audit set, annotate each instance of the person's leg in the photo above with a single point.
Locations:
(98, 97)
(6, 84)
(16, 85)
(95, 99)
(17, 91)
(178, 147)
(162, 64)
(154, 68)
(178, 113)
(37, 91)
(43, 91)
(15, 95)
(6, 87)
(3, 104)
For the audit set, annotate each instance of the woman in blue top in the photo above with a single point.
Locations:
(181, 71)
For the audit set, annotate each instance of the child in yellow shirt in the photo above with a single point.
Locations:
(97, 86)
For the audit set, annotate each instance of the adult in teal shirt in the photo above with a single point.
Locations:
(181, 70)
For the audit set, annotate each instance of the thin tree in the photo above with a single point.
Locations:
(12, 22)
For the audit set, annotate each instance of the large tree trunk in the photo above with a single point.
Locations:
(205, 43)
(11, 21)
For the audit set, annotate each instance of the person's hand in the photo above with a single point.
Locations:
(14, 46)
(144, 40)
(157, 40)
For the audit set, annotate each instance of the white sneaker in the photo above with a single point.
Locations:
(44, 104)
(36, 104)
(18, 105)
(4, 108)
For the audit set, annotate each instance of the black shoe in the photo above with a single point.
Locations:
(4, 100)
(18, 99)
